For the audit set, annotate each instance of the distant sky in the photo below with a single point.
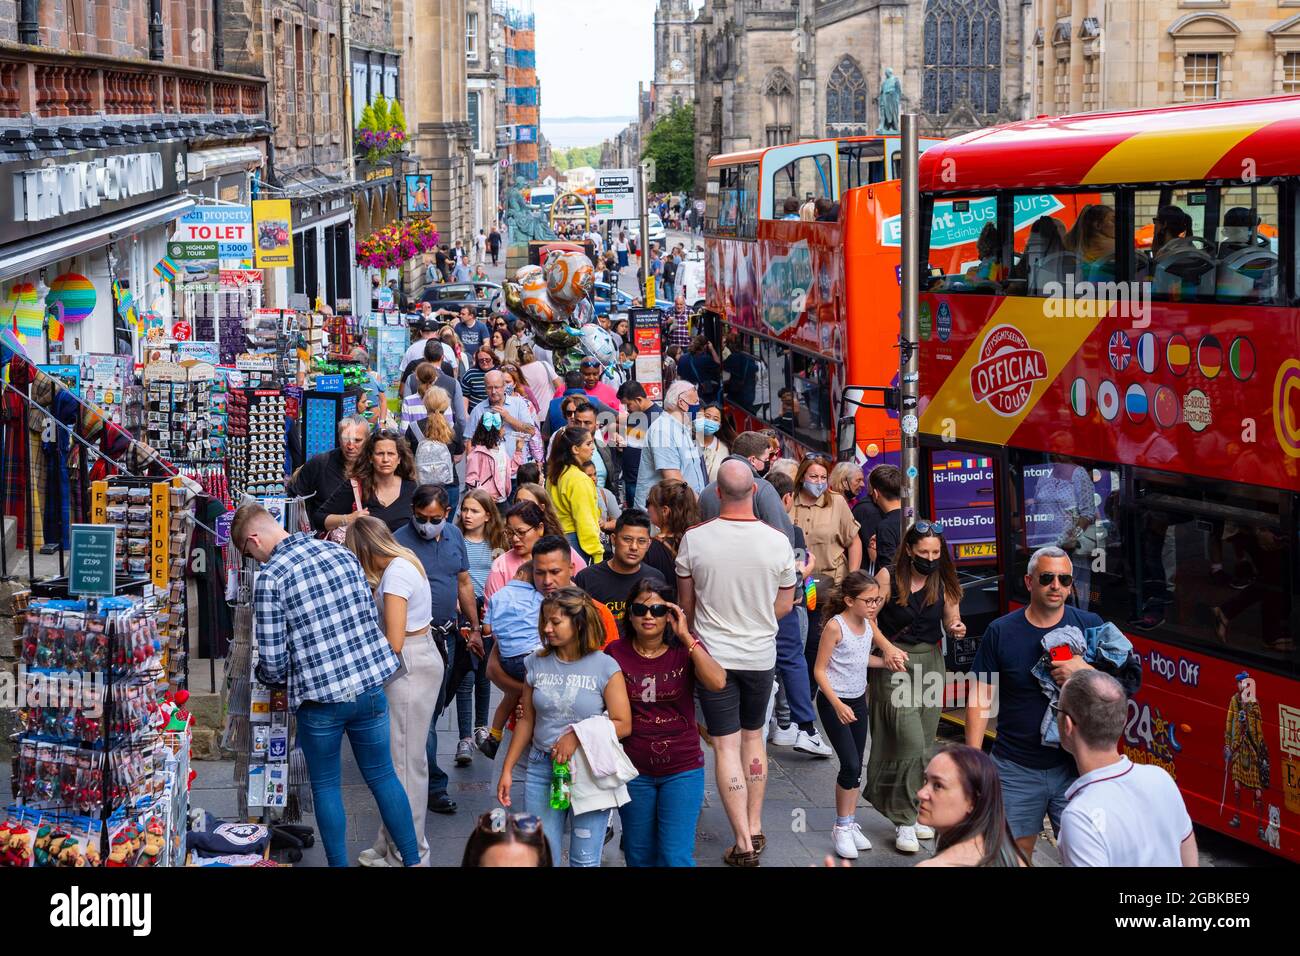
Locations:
(591, 55)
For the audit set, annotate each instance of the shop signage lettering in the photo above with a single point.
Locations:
(53, 191)
(231, 227)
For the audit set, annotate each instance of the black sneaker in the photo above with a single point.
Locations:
(442, 804)
(489, 746)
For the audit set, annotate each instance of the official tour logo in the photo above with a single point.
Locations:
(1006, 371)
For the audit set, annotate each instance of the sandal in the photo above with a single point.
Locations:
(759, 842)
(738, 857)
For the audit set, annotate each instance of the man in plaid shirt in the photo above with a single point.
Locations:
(678, 322)
(317, 629)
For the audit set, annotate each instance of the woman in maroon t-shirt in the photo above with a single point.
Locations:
(661, 665)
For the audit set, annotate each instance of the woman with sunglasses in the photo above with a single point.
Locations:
(382, 483)
(474, 381)
(923, 603)
(526, 524)
(656, 650)
(567, 681)
(498, 345)
(507, 839)
(844, 660)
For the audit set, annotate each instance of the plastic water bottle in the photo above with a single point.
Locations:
(560, 785)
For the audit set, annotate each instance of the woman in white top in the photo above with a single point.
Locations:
(405, 609)
(843, 657)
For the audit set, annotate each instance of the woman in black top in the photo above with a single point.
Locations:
(924, 603)
(673, 508)
(385, 478)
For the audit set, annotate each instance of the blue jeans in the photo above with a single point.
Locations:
(473, 694)
(438, 776)
(320, 734)
(659, 822)
(792, 669)
(453, 497)
(588, 836)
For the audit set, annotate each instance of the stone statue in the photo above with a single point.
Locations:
(890, 101)
(525, 225)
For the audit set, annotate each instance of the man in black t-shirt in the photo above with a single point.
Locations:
(1034, 777)
(885, 484)
(611, 581)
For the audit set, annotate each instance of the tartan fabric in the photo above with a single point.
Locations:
(13, 488)
(316, 623)
(36, 462)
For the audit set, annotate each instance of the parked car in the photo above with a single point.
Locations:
(483, 297)
(622, 303)
(658, 234)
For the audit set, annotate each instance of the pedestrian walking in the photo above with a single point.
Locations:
(567, 682)
(656, 649)
(1117, 813)
(480, 248)
(484, 532)
(612, 580)
(573, 492)
(843, 661)
(312, 606)
(405, 607)
(923, 602)
(736, 579)
(507, 839)
(494, 244)
(381, 483)
(961, 799)
(670, 448)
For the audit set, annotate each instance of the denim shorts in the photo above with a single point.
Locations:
(1029, 795)
(514, 666)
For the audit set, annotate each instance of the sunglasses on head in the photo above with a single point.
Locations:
(1045, 579)
(388, 433)
(816, 456)
(497, 820)
(637, 609)
(924, 527)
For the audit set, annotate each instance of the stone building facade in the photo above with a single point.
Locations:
(485, 62)
(674, 82)
(1110, 54)
(776, 71)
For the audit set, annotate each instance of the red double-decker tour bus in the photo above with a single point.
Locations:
(809, 310)
(1109, 326)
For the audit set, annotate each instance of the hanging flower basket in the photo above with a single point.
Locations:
(392, 245)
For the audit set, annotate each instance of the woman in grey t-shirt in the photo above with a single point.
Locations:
(567, 681)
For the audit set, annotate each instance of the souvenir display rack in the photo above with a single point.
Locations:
(102, 766)
(179, 421)
(255, 438)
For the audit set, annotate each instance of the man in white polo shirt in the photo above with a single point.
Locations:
(1118, 813)
(735, 580)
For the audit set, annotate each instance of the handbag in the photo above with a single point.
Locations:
(341, 532)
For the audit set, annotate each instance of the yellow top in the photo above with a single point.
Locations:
(577, 507)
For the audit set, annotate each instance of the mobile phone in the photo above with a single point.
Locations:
(1061, 653)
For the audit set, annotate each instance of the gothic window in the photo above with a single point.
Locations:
(846, 98)
(778, 107)
(963, 55)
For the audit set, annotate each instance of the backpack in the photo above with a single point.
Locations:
(433, 465)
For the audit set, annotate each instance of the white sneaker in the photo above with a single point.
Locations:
(860, 838)
(812, 744)
(371, 858)
(784, 736)
(923, 832)
(845, 845)
(771, 702)
(905, 841)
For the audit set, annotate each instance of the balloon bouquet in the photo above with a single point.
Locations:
(554, 301)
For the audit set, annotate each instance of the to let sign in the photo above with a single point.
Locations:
(230, 227)
(93, 567)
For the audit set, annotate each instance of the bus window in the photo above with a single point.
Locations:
(747, 226)
(1062, 243)
(861, 164)
(1246, 246)
(1173, 252)
(727, 202)
(805, 405)
(808, 177)
(746, 382)
(964, 247)
(1069, 504)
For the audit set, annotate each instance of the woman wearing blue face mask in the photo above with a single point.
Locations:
(709, 432)
(831, 533)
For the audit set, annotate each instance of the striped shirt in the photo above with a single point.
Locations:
(316, 623)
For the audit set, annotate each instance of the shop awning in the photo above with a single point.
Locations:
(206, 163)
(18, 258)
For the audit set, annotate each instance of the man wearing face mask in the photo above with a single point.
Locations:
(671, 450)
(441, 549)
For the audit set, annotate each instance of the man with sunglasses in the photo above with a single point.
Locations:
(1035, 777)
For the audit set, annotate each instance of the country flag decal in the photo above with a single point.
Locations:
(1120, 350)
(1079, 397)
(1146, 352)
(1178, 354)
(1135, 404)
(1108, 400)
(1241, 358)
(1209, 356)
(1166, 407)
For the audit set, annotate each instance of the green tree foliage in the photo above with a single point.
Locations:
(566, 159)
(397, 117)
(367, 122)
(671, 144)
